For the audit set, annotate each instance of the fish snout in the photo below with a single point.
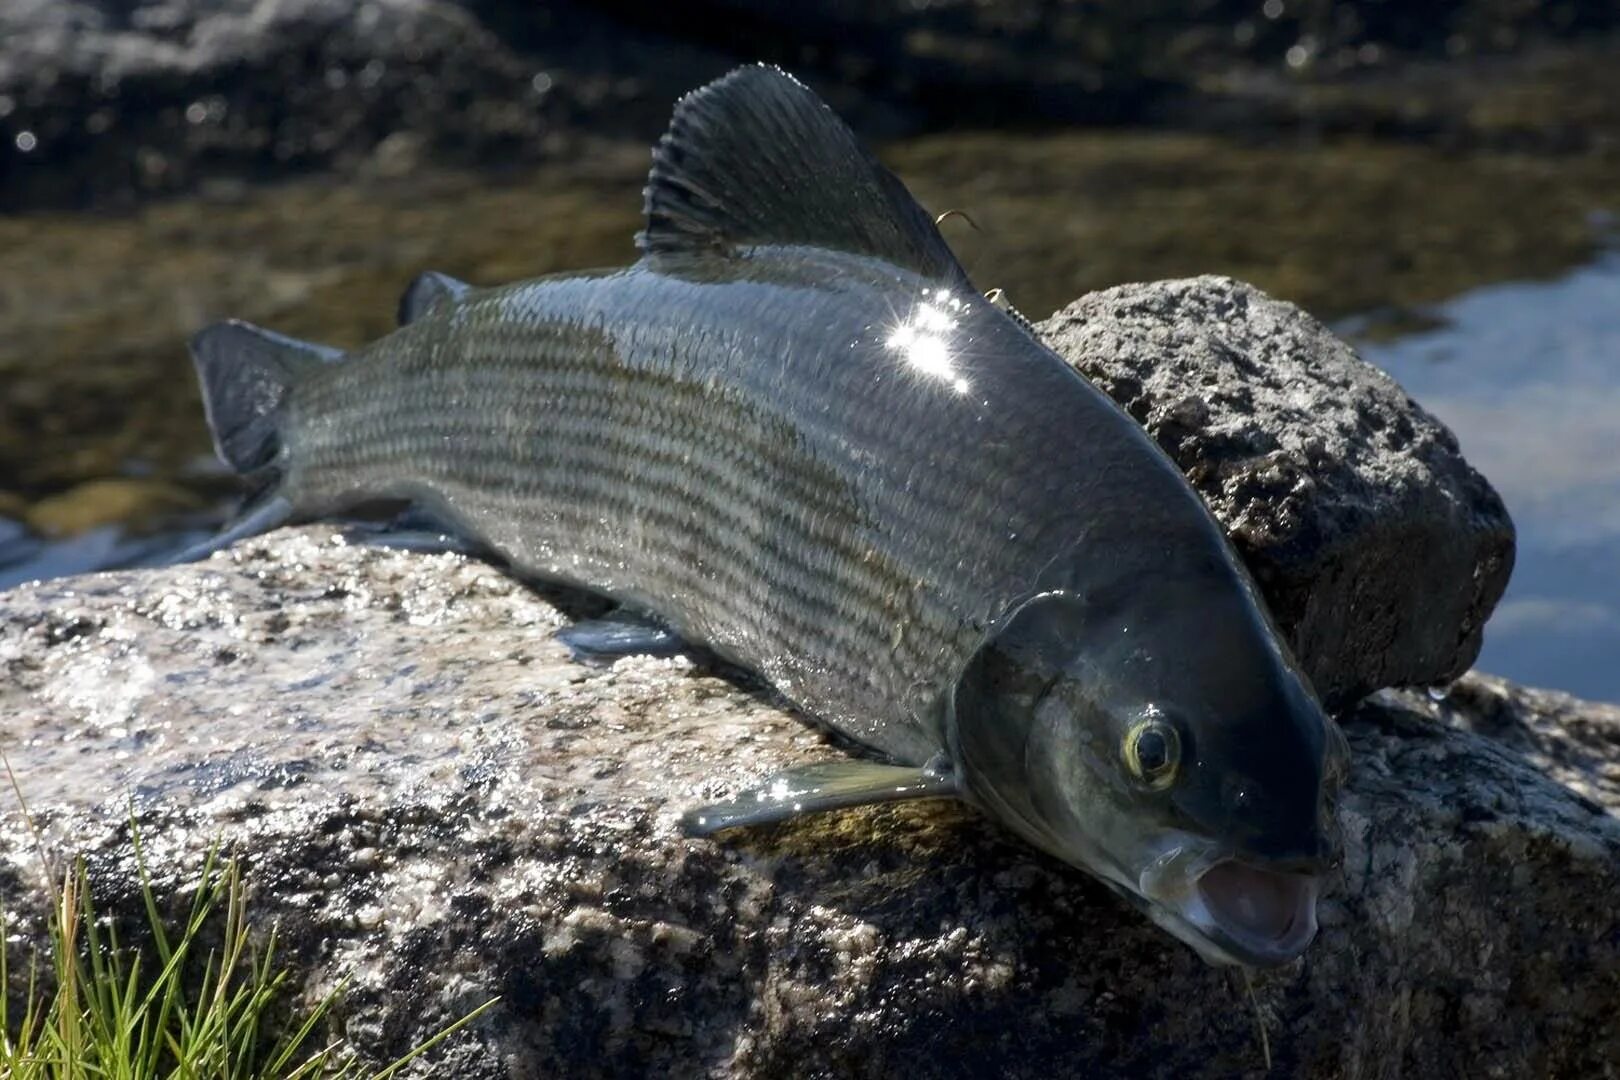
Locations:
(1286, 827)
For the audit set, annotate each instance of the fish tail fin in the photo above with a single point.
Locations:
(247, 374)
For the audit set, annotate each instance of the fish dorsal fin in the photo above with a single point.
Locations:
(756, 159)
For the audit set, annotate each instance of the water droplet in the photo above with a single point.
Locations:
(1439, 692)
(1272, 9)
(26, 141)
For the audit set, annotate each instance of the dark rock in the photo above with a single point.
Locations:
(1379, 549)
(102, 99)
(428, 795)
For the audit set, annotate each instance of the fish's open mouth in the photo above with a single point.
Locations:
(1231, 910)
(1259, 915)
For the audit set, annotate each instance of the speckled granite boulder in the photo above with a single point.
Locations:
(427, 794)
(1379, 549)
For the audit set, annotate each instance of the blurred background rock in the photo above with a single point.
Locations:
(164, 163)
(122, 97)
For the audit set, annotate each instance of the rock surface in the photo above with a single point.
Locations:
(1379, 549)
(426, 792)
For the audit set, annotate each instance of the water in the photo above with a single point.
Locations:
(1528, 377)
(26, 557)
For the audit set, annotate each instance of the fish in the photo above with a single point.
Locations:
(793, 433)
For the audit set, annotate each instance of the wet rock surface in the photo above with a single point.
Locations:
(428, 794)
(1380, 551)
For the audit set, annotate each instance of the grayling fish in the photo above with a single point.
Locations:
(794, 433)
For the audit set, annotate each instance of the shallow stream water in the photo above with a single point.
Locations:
(1527, 375)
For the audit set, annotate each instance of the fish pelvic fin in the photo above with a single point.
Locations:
(429, 290)
(246, 374)
(617, 634)
(815, 789)
(756, 159)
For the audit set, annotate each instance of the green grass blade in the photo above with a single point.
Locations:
(285, 1050)
(440, 1037)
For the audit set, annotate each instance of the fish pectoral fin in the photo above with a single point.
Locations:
(814, 789)
(756, 159)
(428, 291)
(619, 633)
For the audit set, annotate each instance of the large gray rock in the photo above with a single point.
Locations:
(428, 794)
(1379, 549)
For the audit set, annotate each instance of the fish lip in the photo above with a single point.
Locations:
(1183, 897)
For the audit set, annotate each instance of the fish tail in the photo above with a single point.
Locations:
(247, 376)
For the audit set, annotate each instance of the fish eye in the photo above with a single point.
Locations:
(1152, 752)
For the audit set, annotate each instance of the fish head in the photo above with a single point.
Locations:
(1185, 762)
